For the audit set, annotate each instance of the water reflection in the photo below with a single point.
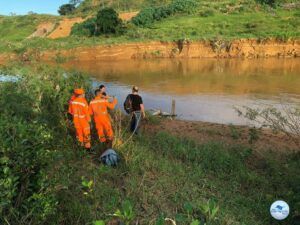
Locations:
(205, 89)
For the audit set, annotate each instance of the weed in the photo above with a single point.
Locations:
(253, 135)
(234, 132)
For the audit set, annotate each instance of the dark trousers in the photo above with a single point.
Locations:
(135, 122)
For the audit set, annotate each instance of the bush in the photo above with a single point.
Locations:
(108, 22)
(33, 136)
(66, 9)
(86, 28)
(149, 15)
(267, 2)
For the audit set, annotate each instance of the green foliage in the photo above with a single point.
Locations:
(86, 28)
(108, 22)
(267, 2)
(149, 15)
(31, 131)
(99, 222)
(66, 9)
(253, 135)
(207, 13)
(126, 213)
(210, 210)
(43, 172)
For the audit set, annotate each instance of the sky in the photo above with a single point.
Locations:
(21, 7)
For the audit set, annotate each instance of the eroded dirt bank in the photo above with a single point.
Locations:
(246, 48)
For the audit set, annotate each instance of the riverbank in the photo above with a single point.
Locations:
(183, 49)
(166, 172)
(261, 141)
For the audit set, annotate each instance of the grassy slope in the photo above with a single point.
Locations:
(217, 19)
(17, 28)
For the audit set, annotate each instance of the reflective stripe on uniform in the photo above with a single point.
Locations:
(100, 113)
(78, 103)
(97, 101)
(79, 116)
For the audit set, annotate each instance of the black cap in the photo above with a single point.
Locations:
(101, 86)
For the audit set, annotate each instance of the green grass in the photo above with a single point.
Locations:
(280, 24)
(18, 28)
(43, 169)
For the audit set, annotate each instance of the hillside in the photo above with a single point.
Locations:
(210, 20)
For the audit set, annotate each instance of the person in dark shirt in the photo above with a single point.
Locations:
(138, 110)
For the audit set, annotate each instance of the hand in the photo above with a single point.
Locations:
(144, 115)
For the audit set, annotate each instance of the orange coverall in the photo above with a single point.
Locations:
(98, 108)
(73, 97)
(81, 118)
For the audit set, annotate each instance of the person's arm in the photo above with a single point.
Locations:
(86, 111)
(143, 110)
(112, 104)
(91, 110)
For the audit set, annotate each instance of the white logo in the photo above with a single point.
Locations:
(280, 210)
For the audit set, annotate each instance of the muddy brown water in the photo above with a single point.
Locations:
(204, 89)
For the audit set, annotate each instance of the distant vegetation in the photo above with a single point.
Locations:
(66, 9)
(161, 21)
(107, 21)
(150, 15)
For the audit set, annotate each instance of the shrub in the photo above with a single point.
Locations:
(267, 2)
(145, 17)
(183, 6)
(207, 13)
(32, 118)
(66, 9)
(149, 15)
(86, 28)
(108, 22)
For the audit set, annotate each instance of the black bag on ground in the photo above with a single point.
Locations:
(128, 104)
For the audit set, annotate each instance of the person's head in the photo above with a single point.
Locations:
(102, 88)
(79, 92)
(97, 92)
(135, 89)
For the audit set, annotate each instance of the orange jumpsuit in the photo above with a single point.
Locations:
(98, 108)
(70, 104)
(81, 118)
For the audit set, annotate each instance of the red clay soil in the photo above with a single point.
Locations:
(43, 30)
(128, 15)
(244, 48)
(203, 132)
(65, 27)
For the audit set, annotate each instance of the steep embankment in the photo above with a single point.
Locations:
(244, 48)
(64, 28)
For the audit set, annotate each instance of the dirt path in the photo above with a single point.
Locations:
(203, 132)
(128, 15)
(64, 27)
(43, 30)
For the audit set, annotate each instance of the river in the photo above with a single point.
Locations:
(204, 89)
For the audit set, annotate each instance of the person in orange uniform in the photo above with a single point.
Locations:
(73, 97)
(98, 108)
(81, 118)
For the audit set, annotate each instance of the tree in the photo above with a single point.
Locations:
(75, 2)
(108, 21)
(66, 9)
